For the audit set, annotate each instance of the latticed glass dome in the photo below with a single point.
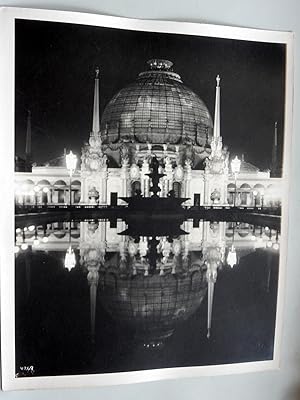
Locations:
(156, 108)
(153, 305)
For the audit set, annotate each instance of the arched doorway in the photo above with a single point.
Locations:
(135, 187)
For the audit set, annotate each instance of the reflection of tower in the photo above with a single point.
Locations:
(213, 255)
(216, 169)
(93, 278)
(93, 161)
(211, 276)
(92, 256)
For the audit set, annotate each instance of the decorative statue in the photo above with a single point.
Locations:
(215, 196)
(179, 173)
(124, 153)
(92, 156)
(134, 172)
(93, 195)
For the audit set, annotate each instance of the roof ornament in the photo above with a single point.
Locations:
(218, 80)
(160, 64)
(96, 106)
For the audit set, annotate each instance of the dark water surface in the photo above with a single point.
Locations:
(138, 302)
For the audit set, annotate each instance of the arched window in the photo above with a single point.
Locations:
(60, 188)
(260, 194)
(76, 191)
(245, 197)
(230, 193)
(177, 189)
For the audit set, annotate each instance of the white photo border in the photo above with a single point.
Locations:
(7, 97)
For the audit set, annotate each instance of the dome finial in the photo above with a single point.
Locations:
(97, 72)
(159, 64)
(218, 80)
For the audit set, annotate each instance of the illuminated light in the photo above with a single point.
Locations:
(25, 229)
(18, 230)
(231, 257)
(253, 237)
(16, 249)
(267, 229)
(70, 260)
(255, 193)
(36, 189)
(36, 242)
(24, 246)
(45, 239)
(45, 190)
(269, 243)
(71, 161)
(31, 228)
(276, 246)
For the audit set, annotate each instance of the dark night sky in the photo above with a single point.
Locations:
(55, 66)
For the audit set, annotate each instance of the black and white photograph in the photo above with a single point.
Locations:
(149, 196)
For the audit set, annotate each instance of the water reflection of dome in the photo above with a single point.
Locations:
(157, 108)
(152, 305)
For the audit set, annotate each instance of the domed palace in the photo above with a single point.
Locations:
(156, 115)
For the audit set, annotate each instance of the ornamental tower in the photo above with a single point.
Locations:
(216, 168)
(93, 161)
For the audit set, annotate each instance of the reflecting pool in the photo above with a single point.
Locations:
(100, 296)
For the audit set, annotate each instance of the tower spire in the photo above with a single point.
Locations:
(28, 152)
(216, 142)
(217, 109)
(274, 166)
(96, 108)
(210, 298)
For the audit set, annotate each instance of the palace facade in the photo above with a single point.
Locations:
(156, 115)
